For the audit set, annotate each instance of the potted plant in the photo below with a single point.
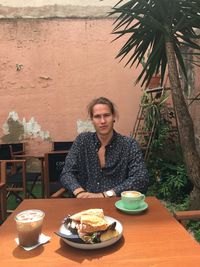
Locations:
(163, 26)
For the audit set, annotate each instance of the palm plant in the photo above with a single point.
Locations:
(163, 27)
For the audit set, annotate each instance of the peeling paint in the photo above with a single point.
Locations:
(45, 78)
(16, 130)
(13, 130)
(85, 126)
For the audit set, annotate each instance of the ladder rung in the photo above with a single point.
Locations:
(144, 132)
(151, 90)
(145, 138)
(157, 89)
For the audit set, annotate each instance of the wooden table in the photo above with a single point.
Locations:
(153, 238)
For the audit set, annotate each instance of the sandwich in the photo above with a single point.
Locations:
(96, 212)
(91, 226)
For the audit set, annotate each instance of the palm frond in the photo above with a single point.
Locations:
(148, 24)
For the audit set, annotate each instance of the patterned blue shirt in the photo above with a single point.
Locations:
(124, 165)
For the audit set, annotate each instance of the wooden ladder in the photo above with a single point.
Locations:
(145, 138)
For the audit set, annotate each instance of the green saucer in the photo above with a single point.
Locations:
(120, 206)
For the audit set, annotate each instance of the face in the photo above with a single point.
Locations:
(103, 119)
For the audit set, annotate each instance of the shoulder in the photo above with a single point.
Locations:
(126, 140)
(128, 144)
(84, 137)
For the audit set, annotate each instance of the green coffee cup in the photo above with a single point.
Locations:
(132, 200)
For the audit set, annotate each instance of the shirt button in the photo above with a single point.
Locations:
(97, 183)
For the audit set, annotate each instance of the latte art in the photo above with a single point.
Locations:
(132, 199)
(131, 194)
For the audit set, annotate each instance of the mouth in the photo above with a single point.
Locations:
(103, 127)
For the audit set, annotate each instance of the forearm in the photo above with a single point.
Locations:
(89, 195)
(70, 172)
(69, 181)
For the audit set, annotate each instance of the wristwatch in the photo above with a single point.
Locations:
(109, 193)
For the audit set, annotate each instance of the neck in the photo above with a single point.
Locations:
(105, 139)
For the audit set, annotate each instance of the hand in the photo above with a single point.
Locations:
(90, 195)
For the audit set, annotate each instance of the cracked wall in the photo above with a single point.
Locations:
(16, 130)
(52, 68)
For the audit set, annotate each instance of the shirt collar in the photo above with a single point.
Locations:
(98, 143)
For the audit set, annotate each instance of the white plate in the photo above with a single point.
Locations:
(104, 244)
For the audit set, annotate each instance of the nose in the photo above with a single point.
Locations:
(102, 119)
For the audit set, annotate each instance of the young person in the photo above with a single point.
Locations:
(104, 163)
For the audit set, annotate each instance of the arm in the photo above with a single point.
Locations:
(70, 172)
(137, 175)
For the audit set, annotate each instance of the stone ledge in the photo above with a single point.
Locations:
(55, 11)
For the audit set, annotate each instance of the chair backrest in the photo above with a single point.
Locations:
(54, 162)
(61, 145)
(5, 151)
(17, 149)
(15, 181)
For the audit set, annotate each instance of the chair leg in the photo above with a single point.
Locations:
(17, 196)
(29, 191)
(3, 202)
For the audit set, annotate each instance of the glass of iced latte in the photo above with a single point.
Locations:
(29, 226)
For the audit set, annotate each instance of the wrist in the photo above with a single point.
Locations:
(103, 194)
(80, 192)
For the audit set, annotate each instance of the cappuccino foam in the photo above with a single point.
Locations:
(131, 194)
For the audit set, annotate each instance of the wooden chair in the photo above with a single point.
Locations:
(184, 216)
(18, 178)
(17, 149)
(32, 176)
(9, 151)
(54, 162)
(15, 181)
(61, 145)
(2, 202)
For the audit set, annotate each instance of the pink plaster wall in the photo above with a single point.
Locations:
(66, 63)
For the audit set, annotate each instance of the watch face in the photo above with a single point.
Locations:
(109, 193)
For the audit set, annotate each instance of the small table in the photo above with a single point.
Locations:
(152, 238)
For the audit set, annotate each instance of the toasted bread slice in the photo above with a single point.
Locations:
(97, 212)
(108, 235)
(92, 223)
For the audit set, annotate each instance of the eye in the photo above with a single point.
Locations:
(107, 115)
(97, 117)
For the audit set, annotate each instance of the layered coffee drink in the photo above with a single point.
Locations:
(29, 226)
